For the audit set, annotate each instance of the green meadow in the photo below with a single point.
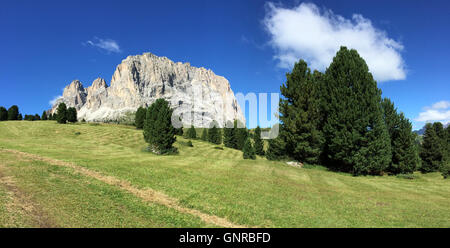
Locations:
(202, 186)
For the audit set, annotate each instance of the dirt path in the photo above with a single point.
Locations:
(20, 203)
(147, 194)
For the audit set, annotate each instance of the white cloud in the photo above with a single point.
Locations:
(53, 101)
(439, 111)
(108, 45)
(316, 35)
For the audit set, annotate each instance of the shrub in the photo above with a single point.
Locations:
(189, 143)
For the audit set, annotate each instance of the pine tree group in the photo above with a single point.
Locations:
(338, 119)
(433, 150)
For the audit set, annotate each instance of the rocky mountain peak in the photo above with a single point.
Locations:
(197, 94)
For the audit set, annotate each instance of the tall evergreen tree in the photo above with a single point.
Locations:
(44, 116)
(20, 117)
(214, 134)
(72, 115)
(300, 112)
(228, 135)
(61, 113)
(158, 129)
(191, 133)
(431, 151)
(259, 143)
(140, 117)
(248, 149)
(13, 113)
(204, 134)
(240, 134)
(404, 150)
(3, 114)
(356, 135)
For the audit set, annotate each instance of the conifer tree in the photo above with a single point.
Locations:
(240, 135)
(61, 113)
(37, 117)
(214, 134)
(44, 116)
(3, 114)
(276, 149)
(191, 133)
(431, 151)
(13, 113)
(404, 150)
(72, 115)
(248, 149)
(300, 114)
(204, 134)
(259, 144)
(158, 129)
(356, 136)
(228, 135)
(20, 117)
(140, 117)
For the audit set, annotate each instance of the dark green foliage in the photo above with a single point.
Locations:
(3, 114)
(72, 115)
(239, 135)
(158, 129)
(191, 133)
(404, 149)
(215, 134)
(204, 134)
(140, 117)
(44, 116)
(189, 143)
(445, 170)
(248, 150)
(228, 135)
(259, 144)
(432, 152)
(61, 113)
(276, 149)
(300, 114)
(20, 117)
(13, 113)
(356, 137)
(32, 117)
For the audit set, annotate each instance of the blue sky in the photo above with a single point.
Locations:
(44, 45)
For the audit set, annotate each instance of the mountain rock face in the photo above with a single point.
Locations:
(197, 95)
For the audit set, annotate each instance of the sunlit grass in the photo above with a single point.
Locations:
(218, 182)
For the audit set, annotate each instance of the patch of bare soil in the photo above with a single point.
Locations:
(147, 194)
(21, 204)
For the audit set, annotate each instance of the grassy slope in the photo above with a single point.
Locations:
(218, 182)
